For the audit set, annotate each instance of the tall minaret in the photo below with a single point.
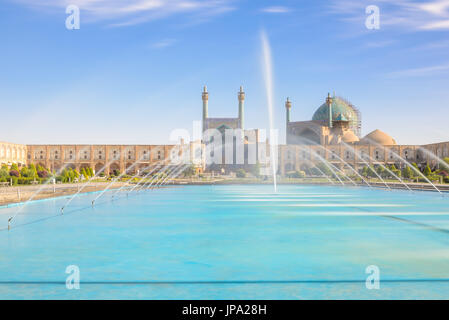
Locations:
(205, 97)
(288, 107)
(329, 109)
(241, 96)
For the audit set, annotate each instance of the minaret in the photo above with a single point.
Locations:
(205, 97)
(241, 96)
(288, 106)
(329, 109)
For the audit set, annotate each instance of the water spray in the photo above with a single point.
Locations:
(268, 75)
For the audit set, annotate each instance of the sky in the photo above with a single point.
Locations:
(134, 70)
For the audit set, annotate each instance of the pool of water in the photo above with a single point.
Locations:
(230, 242)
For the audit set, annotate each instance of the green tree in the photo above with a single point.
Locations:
(371, 172)
(255, 170)
(241, 173)
(190, 171)
(25, 172)
(4, 173)
(297, 174)
(15, 167)
(427, 171)
(365, 172)
(32, 171)
(380, 171)
(325, 169)
(407, 172)
(84, 173)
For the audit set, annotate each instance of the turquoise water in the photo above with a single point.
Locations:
(230, 242)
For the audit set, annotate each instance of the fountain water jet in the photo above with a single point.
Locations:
(31, 198)
(268, 75)
(384, 167)
(363, 160)
(322, 159)
(409, 165)
(85, 185)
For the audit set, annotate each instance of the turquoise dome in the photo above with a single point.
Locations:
(340, 110)
(339, 107)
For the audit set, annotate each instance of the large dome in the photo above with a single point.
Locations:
(378, 137)
(339, 108)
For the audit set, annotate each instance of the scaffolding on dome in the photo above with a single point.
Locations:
(357, 125)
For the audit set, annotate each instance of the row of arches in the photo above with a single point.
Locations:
(348, 154)
(12, 153)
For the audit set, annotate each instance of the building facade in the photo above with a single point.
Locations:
(333, 136)
(13, 153)
(107, 158)
(244, 146)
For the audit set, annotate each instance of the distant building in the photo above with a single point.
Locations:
(13, 153)
(333, 136)
(248, 138)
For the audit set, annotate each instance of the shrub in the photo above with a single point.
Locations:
(189, 171)
(427, 171)
(240, 173)
(4, 173)
(407, 172)
(24, 172)
(14, 173)
(14, 180)
(255, 170)
(296, 174)
(24, 180)
(42, 174)
(32, 171)
(443, 173)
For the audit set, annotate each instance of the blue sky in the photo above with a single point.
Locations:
(134, 70)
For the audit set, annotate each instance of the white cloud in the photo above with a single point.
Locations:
(129, 12)
(408, 15)
(439, 8)
(418, 72)
(275, 9)
(438, 25)
(163, 43)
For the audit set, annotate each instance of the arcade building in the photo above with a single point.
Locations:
(333, 135)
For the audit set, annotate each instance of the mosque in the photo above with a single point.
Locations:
(333, 135)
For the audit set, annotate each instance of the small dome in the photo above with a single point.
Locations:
(350, 137)
(378, 137)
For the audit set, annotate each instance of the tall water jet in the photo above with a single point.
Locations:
(268, 75)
